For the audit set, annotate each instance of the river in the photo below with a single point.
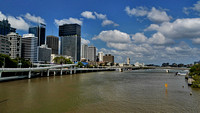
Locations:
(100, 92)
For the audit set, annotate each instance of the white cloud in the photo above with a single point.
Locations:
(154, 15)
(100, 16)
(159, 39)
(114, 36)
(139, 11)
(158, 16)
(139, 38)
(88, 14)
(196, 40)
(180, 28)
(109, 22)
(84, 41)
(35, 19)
(119, 46)
(68, 21)
(196, 7)
(152, 27)
(2, 16)
(16, 22)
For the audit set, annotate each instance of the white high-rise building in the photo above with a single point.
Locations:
(84, 51)
(100, 55)
(128, 60)
(92, 53)
(15, 45)
(29, 47)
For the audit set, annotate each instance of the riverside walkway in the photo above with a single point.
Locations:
(64, 68)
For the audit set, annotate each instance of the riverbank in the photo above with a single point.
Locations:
(194, 76)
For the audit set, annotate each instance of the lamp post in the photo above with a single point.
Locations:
(4, 62)
(20, 64)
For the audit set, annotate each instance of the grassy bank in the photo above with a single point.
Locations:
(195, 74)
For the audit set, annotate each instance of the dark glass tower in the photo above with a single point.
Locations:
(5, 27)
(70, 40)
(38, 31)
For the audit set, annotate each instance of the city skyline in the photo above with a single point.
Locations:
(154, 31)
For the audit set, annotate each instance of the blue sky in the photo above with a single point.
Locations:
(149, 31)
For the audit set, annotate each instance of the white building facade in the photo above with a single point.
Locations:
(29, 47)
(84, 51)
(100, 55)
(15, 45)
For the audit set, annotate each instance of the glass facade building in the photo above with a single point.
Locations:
(70, 40)
(44, 54)
(5, 27)
(92, 53)
(84, 51)
(38, 31)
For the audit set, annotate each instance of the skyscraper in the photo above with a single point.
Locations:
(92, 53)
(5, 27)
(39, 31)
(70, 40)
(53, 43)
(29, 47)
(100, 55)
(84, 51)
(15, 45)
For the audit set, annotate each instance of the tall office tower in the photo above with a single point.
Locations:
(100, 56)
(108, 58)
(44, 54)
(70, 40)
(128, 60)
(4, 45)
(5, 27)
(53, 43)
(39, 31)
(29, 47)
(15, 45)
(92, 53)
(84, 51)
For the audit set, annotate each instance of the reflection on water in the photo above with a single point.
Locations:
(100, 92)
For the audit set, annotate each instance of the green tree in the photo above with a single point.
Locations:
(68, 61)
(62, 60)
(13, 63)
(80, 64)
(6, 61)
(195, 74)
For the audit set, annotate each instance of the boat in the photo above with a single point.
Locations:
(181, 73)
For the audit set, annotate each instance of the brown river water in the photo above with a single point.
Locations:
(100, 92)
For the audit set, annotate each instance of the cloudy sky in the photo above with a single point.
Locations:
(149, 31)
